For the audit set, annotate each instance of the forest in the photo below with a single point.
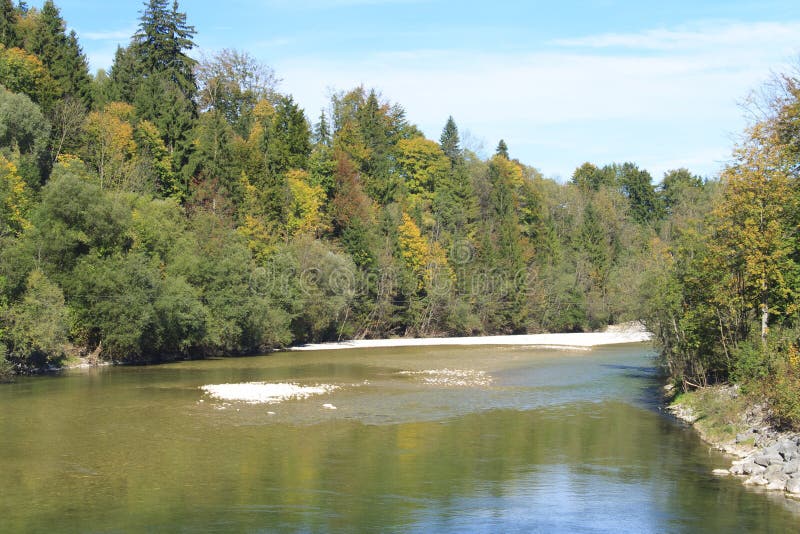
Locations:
(178, 207)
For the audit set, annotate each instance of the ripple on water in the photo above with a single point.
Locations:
(451, 377)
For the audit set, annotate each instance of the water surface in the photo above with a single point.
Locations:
(440, 439)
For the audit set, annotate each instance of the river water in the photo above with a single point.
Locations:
(439, 439)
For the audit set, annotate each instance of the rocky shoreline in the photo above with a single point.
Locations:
(766, 457)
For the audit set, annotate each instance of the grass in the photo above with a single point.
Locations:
(719, 411)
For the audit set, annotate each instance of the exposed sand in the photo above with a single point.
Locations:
(264, 392)
(626, 333)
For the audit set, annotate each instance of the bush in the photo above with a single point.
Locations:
(6, 369)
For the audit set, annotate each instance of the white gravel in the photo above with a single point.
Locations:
(627, 333)
(264, 392)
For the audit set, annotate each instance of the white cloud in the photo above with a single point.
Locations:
(693, 84)
(110, 35)
(690, 38)
(332, 4)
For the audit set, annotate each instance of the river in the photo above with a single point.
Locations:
(437, 439)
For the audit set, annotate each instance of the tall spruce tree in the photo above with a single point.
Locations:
(161, 44)
(8, 20)
(156, 74)
(60, 52)
(502, 149)
(450, 142)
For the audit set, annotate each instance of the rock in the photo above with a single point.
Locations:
(775, 472)
(768, 458)
(756, 480)
(720, 472)
(788, 449)
(793, 485)
(792, 466)
(752, 468)
(737, 469)
(776, 485)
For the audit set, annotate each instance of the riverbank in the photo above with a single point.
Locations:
(612, 335)
(729, 421)
(632, 332)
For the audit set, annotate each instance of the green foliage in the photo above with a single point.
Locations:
(675, 185)
(24, 136)
(37, 324)
(502, 149)
(8, 31)
(232, 83)
(206, 218)
(450, 142)
(61, 54)
(21, 72)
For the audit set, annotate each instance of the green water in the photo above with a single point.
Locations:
(525, 441)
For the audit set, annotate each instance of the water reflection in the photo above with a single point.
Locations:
(556, 443)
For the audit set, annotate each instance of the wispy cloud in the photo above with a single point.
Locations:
(701, 36)
(110, 35)
(332, 4)
(575, 92)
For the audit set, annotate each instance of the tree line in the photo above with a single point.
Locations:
(181, 208)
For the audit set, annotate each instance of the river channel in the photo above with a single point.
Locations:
(437, 439)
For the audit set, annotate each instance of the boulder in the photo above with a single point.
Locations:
(788, 449)
(775, 472)
(756, 480)
(776, 485)
(793, 485)
(792, 466)
(737, 469)
(768, 458)
(752, 468)
(720, 472)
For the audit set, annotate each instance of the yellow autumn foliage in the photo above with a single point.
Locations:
(304, 213)
(14, 199)
(425, 259)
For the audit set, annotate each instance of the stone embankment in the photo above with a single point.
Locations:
(767, 457)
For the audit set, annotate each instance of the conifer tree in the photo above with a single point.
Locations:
(61, 54)
(124, 76)
(161, 44)
(322, 131)
(8, 19)
(450, 141)
(502, 149)
(289, 141)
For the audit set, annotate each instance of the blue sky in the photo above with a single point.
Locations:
(563, 82)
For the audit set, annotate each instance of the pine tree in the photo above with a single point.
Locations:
(8, 20)
(450, 141)
(322, 131)
(61, 54)
(637, 186)
(124, 77)
(161, 44)
(289, 141)
(502, 149)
